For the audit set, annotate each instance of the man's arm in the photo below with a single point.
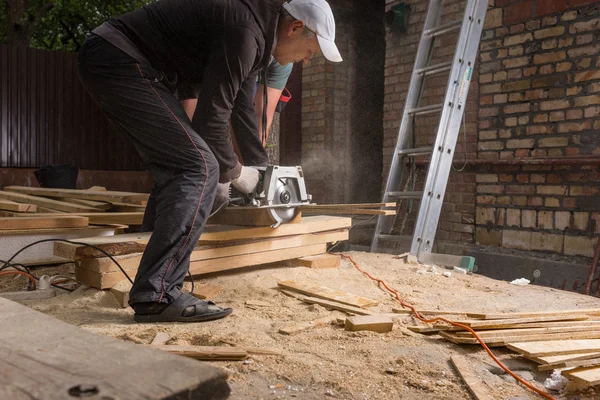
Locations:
(228, 66)
(189, 106)
(273, 95)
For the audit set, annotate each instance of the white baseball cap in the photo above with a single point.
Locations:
(317, 16)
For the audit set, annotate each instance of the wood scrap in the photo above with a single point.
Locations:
(43, 222)
(9, 205)
(43, 202)
(427, 312)
(565, 357)
(352, 206)
(160, 339)
(556, 347)
(335, 211)
(470, 377)
(326, 293)
(247, 216)
(592, 362)
(100, 218)
(206, 292)
(124, 207)
(549, 324)
(208, 353)
(257, 303)
(101, 205)
(322, 261)
(121, 293)
(504, 340)
(582, 378)
(583, 311)
(211, 234)
(528, 331)
(328, 304)
(478, 324)
(98, 195)
(374, 323)
(303, 326)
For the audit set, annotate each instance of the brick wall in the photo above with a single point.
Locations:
(536, 93)
(540, 97)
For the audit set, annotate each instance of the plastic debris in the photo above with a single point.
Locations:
(556, 381)
(460, 270)
(521, 282)
(447, 274)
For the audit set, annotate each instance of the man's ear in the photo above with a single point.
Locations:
(295, 28)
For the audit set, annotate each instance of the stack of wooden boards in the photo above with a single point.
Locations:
(555, 339)
(220, 248)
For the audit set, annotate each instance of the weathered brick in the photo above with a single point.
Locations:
(486, 146)
(487, 89)
(551, 202)
(520, 144)
(580, 245)
(515, 51)
(507, 178)
(538, 178)
(594, 87)
(596, 222)
(485, 215)
(549, 32)
(562, 220)
(500, 98)
(514, 239)
(503, 200)
(517, 108)
(550, 20)
(488, 112)
(557, 116)
(573, 91)
(493, 18)
(554, 105)
(485, 78)
(587, 100)
(537, 129)
(580, 220)
(493, 189)
(486, 199)
(549, 44)
(584, 26)
(516, 73)
(524, 120)
(569, 15)
(574, 126)
(532, 24)
(547, 242)
(516, 97)
(500, 76)
(488, 135)
(512, 121)
(553, 190)
(563, 66)
(545, 220)
(520, 189)
(513, 217)
(529, 218)
(486, 237)
(584, 191)
(584, 63)
(486, 178)
(553, 142)
(565, 42)
(515, 62)
(530, 71)
(547, 69)
(583, 52)
(549, 57)
(514, 86)
(551, 81)
(592, 112)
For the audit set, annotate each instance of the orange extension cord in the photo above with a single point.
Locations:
(20, 273)
(414, 310)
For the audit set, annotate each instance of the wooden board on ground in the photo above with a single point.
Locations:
(60, 364)
(204, 292)
(528, 331)
(303, 326)
(374, 323)
(161, 338)
(206, 252)
(107, 280)
(328, 304)
(480, 324)
(8, 205)
(100, 218)
(583, 377)
(427, 312)
(581, 311)
(555, 348)
(122, 197)
(208, 353)
(471, 378)
(592, 362)
(213, 233)
(43, 202)
(43, 222)
(246, 216)
(322, 261)
(504, 340)
(549, 324)
(566, 357)
(326, 293)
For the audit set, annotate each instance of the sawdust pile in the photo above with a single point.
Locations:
(328, 362)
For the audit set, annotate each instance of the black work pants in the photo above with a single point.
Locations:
(184, 169)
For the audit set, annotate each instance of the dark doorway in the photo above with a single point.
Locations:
(290, 140)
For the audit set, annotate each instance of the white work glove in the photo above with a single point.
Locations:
(247, 181)
(222, 197)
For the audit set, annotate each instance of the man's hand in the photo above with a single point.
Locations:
(247, 181)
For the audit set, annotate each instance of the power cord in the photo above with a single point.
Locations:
(10, 263)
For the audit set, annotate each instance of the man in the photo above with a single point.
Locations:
(132, 66)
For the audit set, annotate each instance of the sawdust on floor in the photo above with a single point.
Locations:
(329, 362)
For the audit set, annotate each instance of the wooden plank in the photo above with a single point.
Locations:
(121, 293)
(42, 222)
(328, 304)
(44, 211)
(303, 326)
(478, 324)
(122, 197)
(101, 205)
(427, 312)
(326, 293)
(207, 252)
(108, 280)
(206, 291)
(351, 206)
(43, 202)
(100, 218)
(528, 331)
(550, 324)
(61, 356)
(566, 357)
(9, 205)
(124, 207)
(555, 348)
(516, 338)
(323, 261)
(581, 311)
(208, 353)
(161, 338)
(214, 233)
(592, 362)
(247, 216)
(471, 378)
(374, 323)
(586, 376)
(87, 230)
(357, 211)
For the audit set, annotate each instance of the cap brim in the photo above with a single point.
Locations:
(329, 49)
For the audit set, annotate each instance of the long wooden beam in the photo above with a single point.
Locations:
(43, 202)
(122, 197)
(43, 222)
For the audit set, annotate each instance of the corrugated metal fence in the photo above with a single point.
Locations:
(47, 117)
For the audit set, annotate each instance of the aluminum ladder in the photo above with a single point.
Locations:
(452, 110)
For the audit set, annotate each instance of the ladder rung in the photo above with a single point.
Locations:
(435, 69)
(416, 152)
(406, 195)
(426, 109)
(445, 28)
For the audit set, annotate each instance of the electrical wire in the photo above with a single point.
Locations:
(31, 278)
(453, 323)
